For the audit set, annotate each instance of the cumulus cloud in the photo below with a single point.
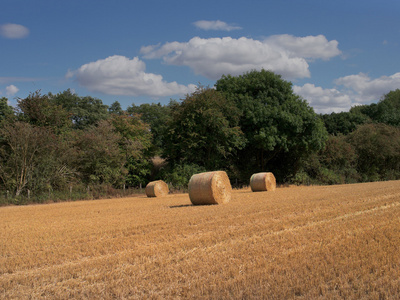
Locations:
(324, 100)
(215, 25)
(351, 90)
(214, 57)
(367, 89)
(119, 75)
(312, 47)
(13, 31)
(11, 90)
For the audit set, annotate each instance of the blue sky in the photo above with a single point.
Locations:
(336, 53)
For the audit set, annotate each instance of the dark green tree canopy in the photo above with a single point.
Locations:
(344, 122)
(85, 111)
(378, 150)
(39, 110)
(115, 108)
(203, 130)
(279, 126)
(386, 111)
(157, 116)
(5, 109)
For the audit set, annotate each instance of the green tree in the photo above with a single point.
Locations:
(281, 129)
(134, 143)
(85, 111)
(387, 110)
(115, 108)
(5, 109)
(39, 110)
(336, 163)
(157, 116)
(204, 130)
(344, 122)
(32, 158)
(378, 150)
(99, 159)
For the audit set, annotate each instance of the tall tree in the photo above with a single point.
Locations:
(279, 126)
(33, 158)
(115, 108)
(157, 116)
(387, 110)
(5, 109)
(344, 122)
(99, 159)
(378, 151)
(39, 110)
(85, 111)
(135, 143)
(204, 130)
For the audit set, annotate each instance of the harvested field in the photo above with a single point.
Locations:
(298, 242)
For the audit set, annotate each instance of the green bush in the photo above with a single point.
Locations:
(179, 175)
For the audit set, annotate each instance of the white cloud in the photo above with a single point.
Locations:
(119, 75)
(214, 57)
(215, 25)
(11, 90)
(352, 90)
(324, 100)
(313, 47)
(367, 89)
(13, 31)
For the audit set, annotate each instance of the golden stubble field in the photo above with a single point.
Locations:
(298, 242)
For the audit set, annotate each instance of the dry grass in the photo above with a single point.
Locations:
(299, 242)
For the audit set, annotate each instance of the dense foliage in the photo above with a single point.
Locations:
(281, 129)
(246, 124)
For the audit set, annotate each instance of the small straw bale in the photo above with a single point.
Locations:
(263, 182)
(210, 188)
(157, 189)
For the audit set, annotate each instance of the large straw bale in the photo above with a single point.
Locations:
(210, 188)
(264, 181)
(157, 189)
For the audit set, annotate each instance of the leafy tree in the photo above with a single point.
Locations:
(344, 122)
(134, 143)
(386, 111)
(32, 158)
(378, 150)
(5, 109)
(39, 110)
(179, 175)
(157, 116)
(99, 159)
(336, 163)
(203, 130)
(339, 155)
(85, 111)
(281, 129)
(115, 108)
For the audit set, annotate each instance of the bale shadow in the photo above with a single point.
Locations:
(192, 205)
(182, 205)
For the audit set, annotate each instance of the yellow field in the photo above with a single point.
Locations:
(299, 242)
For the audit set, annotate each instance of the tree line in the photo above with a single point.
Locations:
(244, 124)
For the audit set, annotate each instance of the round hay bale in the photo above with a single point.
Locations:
(210, 188)
(263, 182)
(157, 189)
